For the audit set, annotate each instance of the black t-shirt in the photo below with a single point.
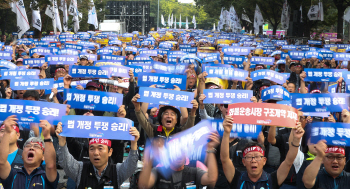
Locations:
(325, 181)
(242, 181)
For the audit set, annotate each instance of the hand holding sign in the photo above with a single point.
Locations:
(227, 124)
(321, 148)
(136, 104)
(9, 122)
(61, 139)
(214, 141)
(345, 116)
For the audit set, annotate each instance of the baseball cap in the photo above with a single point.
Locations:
(84, 57)
(20, 60)
(92, 84)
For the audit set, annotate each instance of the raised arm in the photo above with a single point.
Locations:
(302, 83)
(211, 176)
(229, 168)
(143, 121)
(271, 137)
(311, 171)
(50, 153)
(5, 166)
(147, 179)
(283, 170)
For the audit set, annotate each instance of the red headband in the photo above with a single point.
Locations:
(259, 67)
(192, 75)
(14, 128)
(298, 66)
(213, 87)
(100, 141)
(305, 89)
(40, 145)
(336, 150)
(315, 91)
(253, 149)
(263, 87)
(60, 69)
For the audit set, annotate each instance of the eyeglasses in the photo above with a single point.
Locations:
(301, 118)
(171, 113)
(257, 158)
(331, 158)
(36, 146)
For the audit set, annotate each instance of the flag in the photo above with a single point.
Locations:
(21, 15)
(214, 27)
(180, 22)
(245, 17)
(313, 12)
(175, 23)
(194, 22)
(234, 20)
(258, 20)
(186, 23)
(169, 20)
(36, 19)
(320, 11)
(57, 16)
(221, 20)
(63, 8)
(285, 16)
(301, 13)
(162, 20)
(73, 10)
(92, 18)
(347, 15)
(52, 12)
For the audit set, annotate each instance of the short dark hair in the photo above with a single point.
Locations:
(31, 93)
(250, 144)
(292, 83)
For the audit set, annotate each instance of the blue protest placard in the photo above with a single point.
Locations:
(81, 82)
(163, 68)
(34, 62)
(93, 100)
(323, 75)
(337, 134)
(32, 84)
(166, 81)
(332, 88)
(296, 55)
(326, 102)
(7, 64)
(145, 67)
(342, 56)
(136, 70)
(166, 97)
(226, 72)
(343, 46)
(61, 59)
(189, 50)
(285, 102)
(5, 55)
(40, 51)
(314, 42)
(143, 58)
(316, 114)
(236, 50)
(92, 57)
(269, 75)
(247, 131)
(112, 57)
(20, 74)
(58, 84)
(89, 72)
(120, 71)
(131, 62)
(74, 46)
(275, 92)
(211, 58)
(28, 111)
(149, 52)
(233, 59)
(263, 60)
(8, 49)
(94, 127)
(180, 68)
(226, 96)
(108, 63)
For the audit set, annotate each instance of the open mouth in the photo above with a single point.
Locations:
(254, 168)
(96, 159)
(168, 121)
(335, 167)
(30, 155)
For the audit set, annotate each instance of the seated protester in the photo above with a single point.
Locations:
(254, 160)
(333, 174)
(97, 173)
(34, 152)
(168, 117)
(151, 177)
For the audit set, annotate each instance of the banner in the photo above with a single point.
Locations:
(314, 42)
(93, 100)
(166, 97)
(41, 43)
(226, 96)
(81, 82)
(112, 57)
(269, 75)
(325, 102)
(296, 55)
(39, 51)
(89, 72)
(92, 57)
(275, 92)
(34, 62)
(234, 59)
(61, 59)
(120, 71)
(115, 128)
(323, 75)
(262, 60)
(100, 63)
(163, 68)
(20, 74)
(7, 64)
(337, 134)
(125, 39)
(166, 81)
(211, 58)
(189, 49)
(28, 111)
(5, 55)
(149, 52)
(226, 72)
(33, 84)
(236, 50)
(264, 114)
(247, 131)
